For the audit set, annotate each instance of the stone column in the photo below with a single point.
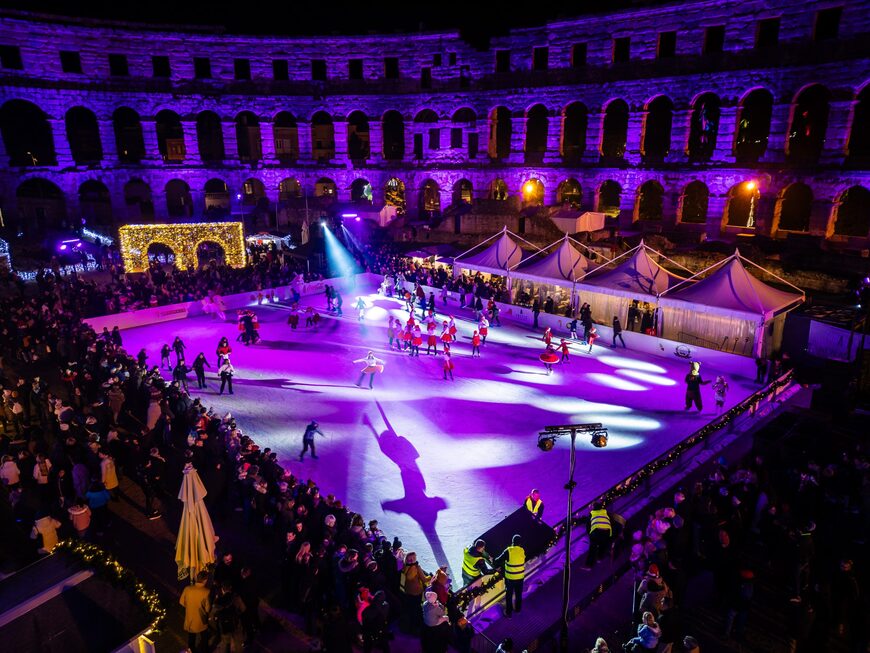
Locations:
(191, 143)
(340, 137)
(376, 141)
(118, 203)
(267, 143)
(553, 153)
(408, 137)
(837, 134)
(680, 126)
(303, 130)
(594, 124)
(446, 197)
(152, 149)
(231, 144)
(715, 214)
(161, 211)
(776, 141)
(110, 147)
(633, 139)
(62, 150)
(518, 139)
(726, 133)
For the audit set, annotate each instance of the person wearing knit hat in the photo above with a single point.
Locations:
(693, 386)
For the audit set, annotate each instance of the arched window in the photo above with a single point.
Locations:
(533, 192)
(393, 126)
(139, 201)
(657, 130)
(649, 202)
(178, 201)
(286, 135)
(463, 193)
(569, 192)
(423, 129)
(26, 134)
(129, 140)
(361, 191)
(614, 131)
(250, 145)
(322, 137)
(430, 197)
(83, 136)
(94, 203)
(170, 137)
(704, 126)
(852, 214)
(742, 205)
(394, 194)
(609, 198)
(357, 136)
(536, 133)
(464, 130)
(217, 198)
(809, 122)
(794, 208)
(694, 203)
(498, 190)
(499, 134)
(41, 206)
(254, 193)
(289, 189)
(753, 126)
(575, 122)
(325, 187)
(210, 137)
(859, 136)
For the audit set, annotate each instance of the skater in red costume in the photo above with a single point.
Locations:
(548, 358)
(483, 328)
(431, 338)
(448, 365)
(452, 326)
(372, 365)
(446, 336)
(407, 335)
(548, 336)
(416, 340)
(593, 336)
(563, 346)
(475, 345)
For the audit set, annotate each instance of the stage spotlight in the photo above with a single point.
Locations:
(599, 439)
(546, 443)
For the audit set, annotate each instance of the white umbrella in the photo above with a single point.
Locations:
(194, 549)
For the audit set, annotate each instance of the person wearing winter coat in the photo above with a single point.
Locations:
(226, 372)
(648, 633)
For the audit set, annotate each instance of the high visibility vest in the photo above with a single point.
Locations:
(515, 565)
(533, 507)
(470, 559)
(599, 519)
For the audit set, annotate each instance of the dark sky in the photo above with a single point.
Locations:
(476, 19)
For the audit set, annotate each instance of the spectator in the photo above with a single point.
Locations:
(197, 605)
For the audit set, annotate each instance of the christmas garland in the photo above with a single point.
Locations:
(465, 595)
(115, 573)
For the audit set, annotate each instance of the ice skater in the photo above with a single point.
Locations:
(407, 335)
(451, 324)
(431, 338)
(391, 331)
(448, 365)
(566, 358)
(416, 340)
(483, 328)
(179, 347)
(226, 372)
(223, 350)
(475, 345)
(720, 391)
(548, 358)
(572, 328)
(165, 350)
(372, 365)
(179, 375)
(617, 332)
(198, 366)
(308, 439)
(693, 387)
(591, 337)
(446, 336)
(361, 307)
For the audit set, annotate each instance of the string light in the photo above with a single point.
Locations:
(466, 595)
(183, 240)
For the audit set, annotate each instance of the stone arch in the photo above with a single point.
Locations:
(129, 140)
(210, 137)
(26, 134)
(361, 191)
(430, 197)
(41, 205)
(95, 204)
(500, 133)
(704, 127)
(289, 189)
(358, 147)
(463, 193)
(207, 251)
(139, 201)
(533, 192)
(217, 198)
(809, 123)
(394, 194)
(498, 190)
(657, 129)
(650, 202)
(183, 240)
(570, 192)
(609, 199)
(326, 188)
(537, 125)
(254, 193)
(285, 133)
(393, 127)
(614, 130)
(742, 206)
(851, 215)
(179, 203)
(249, 143)
(694, 203)
(753, 125)
(322, 137)
(83, 136)
(575, 123)
(793, 208)
(859, 135)
(170, 136)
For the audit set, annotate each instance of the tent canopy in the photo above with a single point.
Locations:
(572, 221)
(732, 291)
(502, 254)
(565, 263)
(636, 275)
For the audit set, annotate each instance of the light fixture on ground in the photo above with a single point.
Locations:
(546, 440)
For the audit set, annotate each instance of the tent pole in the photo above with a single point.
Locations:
(775, 276)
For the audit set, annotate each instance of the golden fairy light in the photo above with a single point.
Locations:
(183, 239)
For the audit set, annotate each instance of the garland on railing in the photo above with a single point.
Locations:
(464, 596)
(114, 572)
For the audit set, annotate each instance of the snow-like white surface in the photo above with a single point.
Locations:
(439, 462)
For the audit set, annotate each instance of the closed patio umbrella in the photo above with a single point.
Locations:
(194, 549)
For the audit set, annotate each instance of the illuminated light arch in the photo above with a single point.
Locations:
(183, 240)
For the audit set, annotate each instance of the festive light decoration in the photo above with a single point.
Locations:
(97, 237)
(183, 240)
(464, 596)
(113, 571)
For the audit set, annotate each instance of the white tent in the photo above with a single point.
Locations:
(634, 275)
(503, 254)
(730, 309)
(572, 221)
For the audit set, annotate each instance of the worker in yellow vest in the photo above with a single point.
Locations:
(534, 505)
(474, 562)
(600, 532)
(513, 559)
